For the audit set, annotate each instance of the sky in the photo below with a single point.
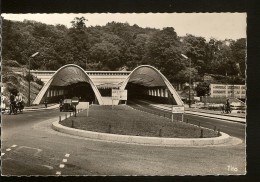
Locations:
(208, 25)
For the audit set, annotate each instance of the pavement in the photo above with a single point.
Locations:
(31, 147)
(234, 117)
(35, 108)
(41, 107)
(205, 113)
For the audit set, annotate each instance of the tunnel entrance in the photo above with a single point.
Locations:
(82, 90)
(140, 92)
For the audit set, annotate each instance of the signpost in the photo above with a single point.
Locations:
(75, 102)
(87, 108)
(118, 95)
(177, 109)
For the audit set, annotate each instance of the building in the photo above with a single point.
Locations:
(222, 90)
(96, 86)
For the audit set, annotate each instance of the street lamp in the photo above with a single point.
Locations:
(29, 79)
(189, 76)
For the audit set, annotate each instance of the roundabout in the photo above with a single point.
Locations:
(82, 127)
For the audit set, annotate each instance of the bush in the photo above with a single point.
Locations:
(10, 78)
(11, 63)
(28, 77)
(39, 81)
(11, 88)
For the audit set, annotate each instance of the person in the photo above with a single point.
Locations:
(61, 101)
(223, 108)
(3, 100)
(46, 103)
(12, 103)
(228, 106)
(19, 100)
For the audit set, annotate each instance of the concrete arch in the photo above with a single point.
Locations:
(160, 79)
(80, 74)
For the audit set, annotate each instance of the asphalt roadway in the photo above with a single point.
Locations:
(31, 147)
(229, 127)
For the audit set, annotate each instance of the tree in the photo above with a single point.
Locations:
(163, 51)
(183, 75)
(107, 54)
(79, 22)
(202, 89)
(195, 48)
(238, 49)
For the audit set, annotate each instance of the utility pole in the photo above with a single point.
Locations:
(189, 76)
(29, 80)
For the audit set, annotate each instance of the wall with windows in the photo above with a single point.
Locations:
(221, 90)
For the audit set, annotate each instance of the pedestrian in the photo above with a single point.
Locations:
(19, 100)
(3, 100)
(228, 106)
(46, 103)
(12, 103)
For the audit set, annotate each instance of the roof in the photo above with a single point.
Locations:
(146, 76)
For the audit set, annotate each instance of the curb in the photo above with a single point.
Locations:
(224, 138)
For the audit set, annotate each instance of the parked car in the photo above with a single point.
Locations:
(66, 105)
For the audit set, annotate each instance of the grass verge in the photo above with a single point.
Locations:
(125, 120)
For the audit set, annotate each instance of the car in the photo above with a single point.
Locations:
(66, 105)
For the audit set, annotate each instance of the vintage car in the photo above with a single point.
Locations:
(66, 105)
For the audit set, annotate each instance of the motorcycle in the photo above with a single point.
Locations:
(13, 108)
(226, 109)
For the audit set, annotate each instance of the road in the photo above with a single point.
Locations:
(229, 127)
(31, 147)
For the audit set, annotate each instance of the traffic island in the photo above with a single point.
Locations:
(124, 124)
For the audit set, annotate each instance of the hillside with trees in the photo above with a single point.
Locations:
(119, 45)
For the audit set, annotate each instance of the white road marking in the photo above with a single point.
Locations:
(49, 167)
(64, 160)
(62, 165)
(67, 155)
(58, 173)
(14, 146)
(2, 154)
(8, 149)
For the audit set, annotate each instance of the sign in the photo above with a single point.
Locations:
(75, 101)
(177, 109)
(122, 94)
(119, 94)
(115, 93)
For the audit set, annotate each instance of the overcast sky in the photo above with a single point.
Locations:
(217, 25)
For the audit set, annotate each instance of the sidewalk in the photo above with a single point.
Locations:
(232, 114)
(41, 107)
(206, 113)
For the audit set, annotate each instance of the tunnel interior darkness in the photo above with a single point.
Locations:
(82, 90)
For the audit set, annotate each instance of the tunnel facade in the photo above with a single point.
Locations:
(144, 82)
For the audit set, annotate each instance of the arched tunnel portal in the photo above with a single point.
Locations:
(69, 81)
(148, 83)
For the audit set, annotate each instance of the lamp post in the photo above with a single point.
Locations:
(29, 94)
(189, 76)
